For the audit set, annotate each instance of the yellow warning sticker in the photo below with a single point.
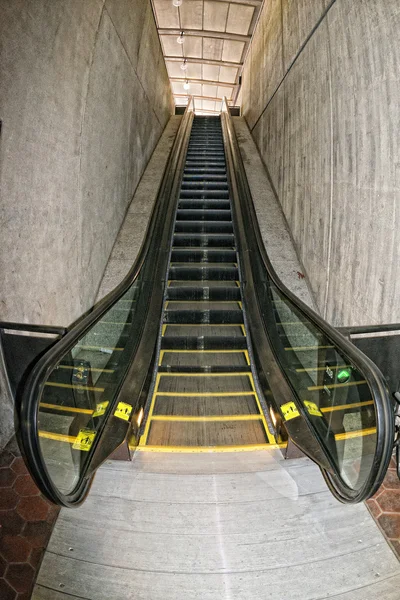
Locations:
(123, 411)
(100, 409)
(84, 440)
(312, 408)
(289, 411)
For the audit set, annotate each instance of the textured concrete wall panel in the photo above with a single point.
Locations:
(329, 139)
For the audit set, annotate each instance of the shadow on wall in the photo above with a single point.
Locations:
(320, 95)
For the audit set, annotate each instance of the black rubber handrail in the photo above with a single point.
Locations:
(31, 394)
(373, 376)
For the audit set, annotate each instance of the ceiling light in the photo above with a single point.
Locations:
(177, 3)
(184, 65)
(180, 38)
(186, 85)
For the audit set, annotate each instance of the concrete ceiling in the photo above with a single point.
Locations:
(216, 36)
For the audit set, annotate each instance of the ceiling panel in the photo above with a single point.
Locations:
(212, 48)
(211, 72)
(191, 14)
(170, 46)
(193, 47)
(232, 51)
(239, 19)
(210, 90)
(228, 74)
(216, 37)
(165, 16)
(224, 91)
(215, 15)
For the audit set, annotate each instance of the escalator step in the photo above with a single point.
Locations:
(205, 369)
(204, 185)
(208, 177)
(203, 256)
(219, 194)
(203, 293)
(204, 204)
(201, 317)
(211, 240)
(203, 215)
(203, 343)
(200, 273)
(204, 227)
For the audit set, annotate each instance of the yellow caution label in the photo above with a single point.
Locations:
(100, 409)
(123, 411)
(312, 408)
(289, 411)
(84, 440)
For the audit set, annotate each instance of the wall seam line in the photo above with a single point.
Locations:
(300, 51)
(330, 223)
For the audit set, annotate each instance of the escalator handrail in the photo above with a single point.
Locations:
(33, 387)
(373, 376)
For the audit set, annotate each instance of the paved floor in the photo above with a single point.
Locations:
(229, 526)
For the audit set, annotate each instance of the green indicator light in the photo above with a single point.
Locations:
(344, 375)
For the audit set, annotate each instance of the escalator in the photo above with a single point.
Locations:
(201, 348)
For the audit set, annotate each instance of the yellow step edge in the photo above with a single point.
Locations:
(205, 374)
(332, 386)
(327, 409)
(207, 449)
(204, 325)
(92, 369)
(58, 437)
(355, 434)
(204, 394)
(211, 419)
(74, 387)
(85, 411)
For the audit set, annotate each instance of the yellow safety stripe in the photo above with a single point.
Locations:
(205, 394)
(85, 411)
(177, 351)
(74, 387)
(346, 406)
(355, 434)
(183, 418)
(331, 386)
(207, 449)
(234, 374)
(58, 437)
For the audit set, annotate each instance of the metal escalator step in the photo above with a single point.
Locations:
(222, 194)
(205, 369)
(200, 273)
(204, 240)
(205, 178)
(203, 407)
(201, 317)
(203, 215)
(204, 204)
(205, 255)
(207, 434)
(205, 171)
(203, 227)
(203, 293)
(203, 343)
(204, 185)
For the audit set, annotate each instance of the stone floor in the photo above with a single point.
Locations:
(26, 523)
(385, 508)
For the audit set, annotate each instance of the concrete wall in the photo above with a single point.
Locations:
(84, 98)
(321, 97)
